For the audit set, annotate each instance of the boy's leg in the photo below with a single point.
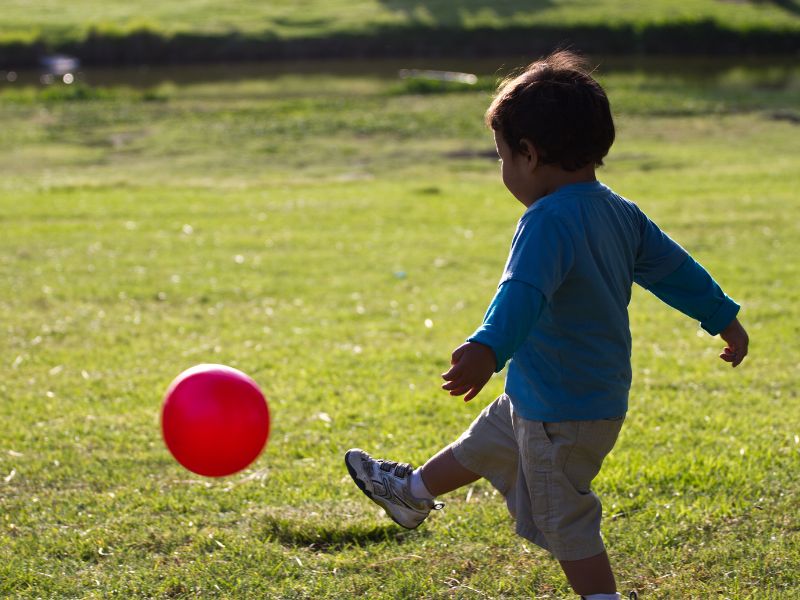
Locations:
(487, 449)
(443, 473)
(560, 461)
(591, 575)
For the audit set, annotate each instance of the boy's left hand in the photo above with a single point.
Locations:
(472, 366)
(736, 338)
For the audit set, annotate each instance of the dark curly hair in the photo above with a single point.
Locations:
(557, 105)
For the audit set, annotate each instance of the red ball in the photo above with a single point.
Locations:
(215, 420)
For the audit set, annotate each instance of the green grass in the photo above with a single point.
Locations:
(287, 19)
(304, 229)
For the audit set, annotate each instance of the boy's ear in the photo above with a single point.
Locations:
(529, 153)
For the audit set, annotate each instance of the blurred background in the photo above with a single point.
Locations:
(220, 86)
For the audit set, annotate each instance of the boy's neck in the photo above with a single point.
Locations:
(554, 177)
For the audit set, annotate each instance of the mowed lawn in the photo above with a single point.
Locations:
(335, 238)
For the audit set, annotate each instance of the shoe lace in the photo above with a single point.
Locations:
(400, 470)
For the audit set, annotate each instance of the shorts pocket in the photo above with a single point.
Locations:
(546, 431)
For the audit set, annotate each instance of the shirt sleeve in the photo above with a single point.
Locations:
(542, 253)
(512, 313)
(691, 290)
(657, 255)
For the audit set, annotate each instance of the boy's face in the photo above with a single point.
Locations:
(517, 169)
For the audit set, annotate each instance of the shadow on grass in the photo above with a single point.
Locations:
(327, 536)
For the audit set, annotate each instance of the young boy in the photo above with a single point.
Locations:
(560, 315)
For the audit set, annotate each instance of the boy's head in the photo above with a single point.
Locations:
(558, 107)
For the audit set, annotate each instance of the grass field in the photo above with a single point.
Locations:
(336, 237)
(55, 20)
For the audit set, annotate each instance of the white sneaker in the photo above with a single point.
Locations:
(386, 483)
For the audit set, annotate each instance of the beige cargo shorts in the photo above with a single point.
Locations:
(544, 471)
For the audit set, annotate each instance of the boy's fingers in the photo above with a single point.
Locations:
(472, 393)
(455, 369)
(452, 373)
(456, 356)
(456, 383)
(735, 358)
(460, 390)
(450, 385)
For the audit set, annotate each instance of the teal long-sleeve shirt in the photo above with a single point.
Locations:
(560, 311)
(516, 306)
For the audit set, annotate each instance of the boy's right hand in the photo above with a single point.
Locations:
(473, 365)
(736, 338)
